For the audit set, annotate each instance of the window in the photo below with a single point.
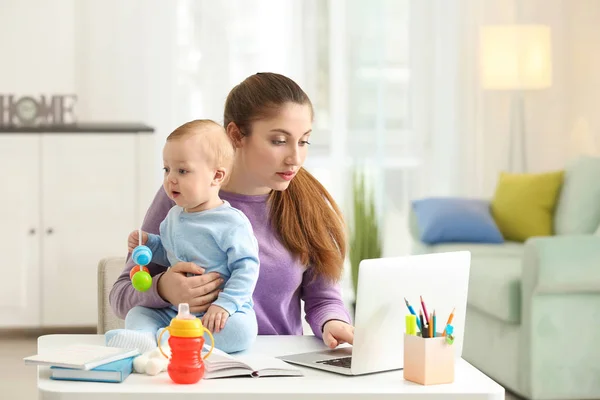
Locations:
(358, 76)
(350, 56)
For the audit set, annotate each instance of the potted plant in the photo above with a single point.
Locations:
(365, 238)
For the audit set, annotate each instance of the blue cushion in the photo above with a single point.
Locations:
(448, 219)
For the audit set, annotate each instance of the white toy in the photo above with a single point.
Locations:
(151, 362)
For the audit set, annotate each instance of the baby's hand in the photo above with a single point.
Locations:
(214, 319)
(134, 240)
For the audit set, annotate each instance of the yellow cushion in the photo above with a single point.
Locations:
(523, 205)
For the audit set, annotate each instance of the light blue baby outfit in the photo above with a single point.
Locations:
(220, 240)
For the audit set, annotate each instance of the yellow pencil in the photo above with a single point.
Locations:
(430, 325)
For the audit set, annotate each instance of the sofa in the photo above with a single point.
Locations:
(109, 270)
(533, 308)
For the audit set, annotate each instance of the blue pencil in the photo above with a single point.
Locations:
(412, 312)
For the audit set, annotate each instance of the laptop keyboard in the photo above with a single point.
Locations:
(343, 362)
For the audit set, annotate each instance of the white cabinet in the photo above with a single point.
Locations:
(69, 199)
(19, 230)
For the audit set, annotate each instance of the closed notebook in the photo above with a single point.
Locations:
(80, 356)
(222, 365)
(114, 372)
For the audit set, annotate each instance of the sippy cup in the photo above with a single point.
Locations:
(186, 341)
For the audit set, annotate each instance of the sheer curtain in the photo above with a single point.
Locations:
(397, 82)
(358, 54)
(351, 58)
(393, 82)
(447, 98)
(221, 43)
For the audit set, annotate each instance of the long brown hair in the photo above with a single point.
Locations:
(307, 219)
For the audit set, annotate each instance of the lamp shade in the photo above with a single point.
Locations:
(515, 57)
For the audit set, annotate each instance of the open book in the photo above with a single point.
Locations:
(222, 365)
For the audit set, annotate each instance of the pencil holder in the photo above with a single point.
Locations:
(428, 361)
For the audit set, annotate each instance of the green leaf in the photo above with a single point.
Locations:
(365, 238)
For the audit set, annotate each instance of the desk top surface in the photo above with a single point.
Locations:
(316, 384)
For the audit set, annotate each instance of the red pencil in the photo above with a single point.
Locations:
(424, 309)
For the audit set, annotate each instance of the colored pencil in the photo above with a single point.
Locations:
(424, 309)
(412, 311)
(449, 321)
(430, 327)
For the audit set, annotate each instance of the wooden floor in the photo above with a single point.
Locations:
(17, 380)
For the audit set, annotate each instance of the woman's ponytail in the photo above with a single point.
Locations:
(310, 224)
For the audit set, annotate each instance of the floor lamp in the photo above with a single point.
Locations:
(516, 58)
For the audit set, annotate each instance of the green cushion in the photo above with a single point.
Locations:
(495, 287)
(494, 278)
(523, 205)
(492, 346)
(506, 249)
(578, 210)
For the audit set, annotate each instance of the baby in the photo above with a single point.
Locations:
(203, 229)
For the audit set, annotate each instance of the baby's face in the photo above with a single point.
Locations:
(188, 177)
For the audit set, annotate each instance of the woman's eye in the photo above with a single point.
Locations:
(304, 142)
(278, 142)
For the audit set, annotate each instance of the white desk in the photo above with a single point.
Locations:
(315, 385)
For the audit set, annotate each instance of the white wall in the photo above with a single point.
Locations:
(118, 57)
(37, 47)
(551, 113)
(583, 69)
(126, 56)
(467, 128)
(544, 115)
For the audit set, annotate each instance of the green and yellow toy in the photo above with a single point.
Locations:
(140, 275)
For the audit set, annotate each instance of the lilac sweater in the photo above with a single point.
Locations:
(282, 280)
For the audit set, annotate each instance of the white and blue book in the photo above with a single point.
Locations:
(113, 372)
(80, 356)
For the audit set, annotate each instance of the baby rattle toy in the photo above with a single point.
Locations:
(140, 275)
(449, 336)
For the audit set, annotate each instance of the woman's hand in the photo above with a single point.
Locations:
(198, 291)
(337, 332)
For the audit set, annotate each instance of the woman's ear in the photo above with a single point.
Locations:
(234, 134)
(219, 177)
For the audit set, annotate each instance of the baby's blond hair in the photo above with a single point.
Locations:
(215, 143)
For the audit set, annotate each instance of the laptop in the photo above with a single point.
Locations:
(383, 284)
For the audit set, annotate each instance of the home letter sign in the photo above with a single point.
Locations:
(44, 110)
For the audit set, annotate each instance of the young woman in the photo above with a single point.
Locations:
(299, 228)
